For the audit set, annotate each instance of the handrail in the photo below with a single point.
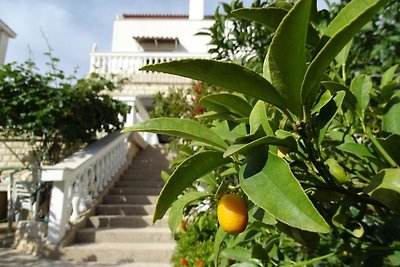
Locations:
(79, 179)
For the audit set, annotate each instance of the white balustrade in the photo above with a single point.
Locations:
(127, 64)
(79, 179)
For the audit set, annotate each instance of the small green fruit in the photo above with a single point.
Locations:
(336, 170)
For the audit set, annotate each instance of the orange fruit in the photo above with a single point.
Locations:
(232, 213)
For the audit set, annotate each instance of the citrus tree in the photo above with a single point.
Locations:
(314, 155)
(239, 39)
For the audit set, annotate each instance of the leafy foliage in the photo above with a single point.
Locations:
(195, 241)
(316, 156)
(54, 112)
(236, 39)
(377, 45)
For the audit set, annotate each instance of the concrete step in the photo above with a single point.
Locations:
(136, 221)
(139, 184)
(141, 235)
(141, 178)
(125, 209)
(119, 252)
(130, 199)
(138, 171)
(134, 191)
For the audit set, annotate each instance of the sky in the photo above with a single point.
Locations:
(71, 27)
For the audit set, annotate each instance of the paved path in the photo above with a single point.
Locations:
(13, 258)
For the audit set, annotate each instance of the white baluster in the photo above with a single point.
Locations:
(113, 165)
(83, 192)
(92, 66)
(104, 172)
(107, 161)
(91, 186)
(75, 201)
(99, 177)
(103, 65)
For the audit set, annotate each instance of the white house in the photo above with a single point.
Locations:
(141, 39)
(5, 34)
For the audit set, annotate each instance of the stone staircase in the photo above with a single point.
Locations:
(121, 231)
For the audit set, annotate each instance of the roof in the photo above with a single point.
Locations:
(152, 16)
(159, 16)
(165, 38)
(4, 27)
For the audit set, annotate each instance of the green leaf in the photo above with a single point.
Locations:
(219, 238)
(288, 142)
(385, 188)
(388, 76)
(341, 58)
(184, 175)
(263, 216)
(349, 100)
(286, 56)
(258, 116)
(237, 253)
(342, 219)
(245, 264)
(271, 17)
(228, 102)
(210, 180)
(181, 128)
(271, 185)
(391, 117)
(324, 99)
(391, 145)
(224, 74)
(328, 113)
(212, 115)
(358, 150)
(176, 213)
(310, 261)
(229, 131)
(361, 87)
(340, 31)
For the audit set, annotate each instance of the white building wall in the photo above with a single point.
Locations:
(5, 34)
(196, 9)
(182, 28)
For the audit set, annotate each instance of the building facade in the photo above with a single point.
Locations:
(5, 34)
(142, 39)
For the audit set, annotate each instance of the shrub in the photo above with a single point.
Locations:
(195, 243)
(57, 114)
(315, 153)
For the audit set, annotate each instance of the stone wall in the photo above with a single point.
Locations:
(12, 152)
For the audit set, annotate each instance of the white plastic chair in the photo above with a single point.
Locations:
(24, 196)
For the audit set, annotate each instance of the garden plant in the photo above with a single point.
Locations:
(313, 153)
(50, 110)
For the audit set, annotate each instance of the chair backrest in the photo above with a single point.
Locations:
(24, 194)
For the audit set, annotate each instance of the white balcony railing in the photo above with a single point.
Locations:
(127, 64)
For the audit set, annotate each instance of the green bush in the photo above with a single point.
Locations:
(195, 241)
(55, 113)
